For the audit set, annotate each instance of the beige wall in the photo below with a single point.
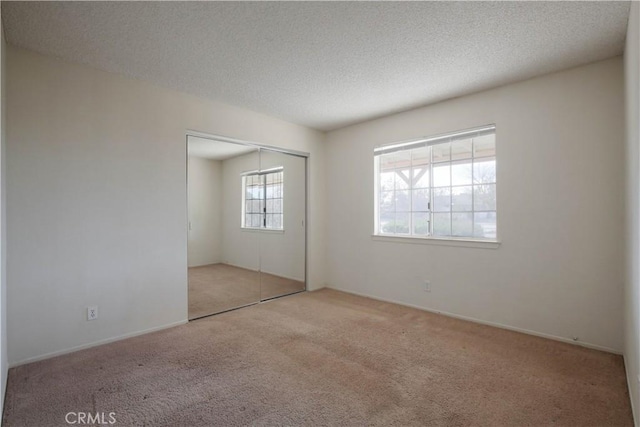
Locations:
(559, 269)
(632, 294)
(204, 183)
(97, 201)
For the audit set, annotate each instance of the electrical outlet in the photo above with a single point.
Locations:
(426, 286)
(92, 312)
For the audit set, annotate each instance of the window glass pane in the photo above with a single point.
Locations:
(387, 222)
(270, 191)
(402, 179)
(269, 205)
(484, 171)
(421, 224)
(461, 173)
(277, 206)
(462, 224)
(277, 222)
(254, 193)
(441, 224)
(441, 200)
(248, 193)
(256, 220)
(247, 206)
(421, 177)
(461, 199)
(442, 175)
(484, 146)
(403, 201)
(461, 149)
(402, 223)
(441, 152)
(420, 200)
(399, 159)
(484, 197)
(387, 181)
(387, 201)
(274, 221)
(420, 156)
(274, 178)
(484, 225)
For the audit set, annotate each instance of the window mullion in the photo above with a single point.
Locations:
(395, 203)
(473, 192)
(431, 202)
(411, 194)
(450, 193)
(379, 192)
(264, 201)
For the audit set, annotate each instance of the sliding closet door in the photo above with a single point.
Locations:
(226, 203)
(282, 242)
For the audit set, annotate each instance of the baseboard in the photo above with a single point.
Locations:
(205, 264)
(263, 271)
(95, 344)
(484, 322)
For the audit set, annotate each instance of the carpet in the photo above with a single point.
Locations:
(218, 287)
(326, 358)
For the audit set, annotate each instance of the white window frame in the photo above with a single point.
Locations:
(263, 227)
(429, 142)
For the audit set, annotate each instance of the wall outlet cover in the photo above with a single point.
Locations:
(92, 312)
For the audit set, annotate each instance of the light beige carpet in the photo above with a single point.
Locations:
(326, 358)
(218, 287)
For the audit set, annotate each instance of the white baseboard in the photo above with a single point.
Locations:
(262, 271)
(484, 322)
(94, 344)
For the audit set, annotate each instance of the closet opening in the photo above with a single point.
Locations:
(247, 223)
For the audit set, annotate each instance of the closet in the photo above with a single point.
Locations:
(247, 223)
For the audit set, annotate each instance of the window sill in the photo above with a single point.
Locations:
(261, 230)
(464, 243)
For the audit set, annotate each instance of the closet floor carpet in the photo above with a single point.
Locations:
(218, 287)
(325, 358)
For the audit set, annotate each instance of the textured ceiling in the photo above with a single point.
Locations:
(323, 65)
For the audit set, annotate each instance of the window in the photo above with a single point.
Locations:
(441, 187)
(262, 202)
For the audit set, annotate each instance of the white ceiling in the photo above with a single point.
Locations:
(215, 150)
(323, 64)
